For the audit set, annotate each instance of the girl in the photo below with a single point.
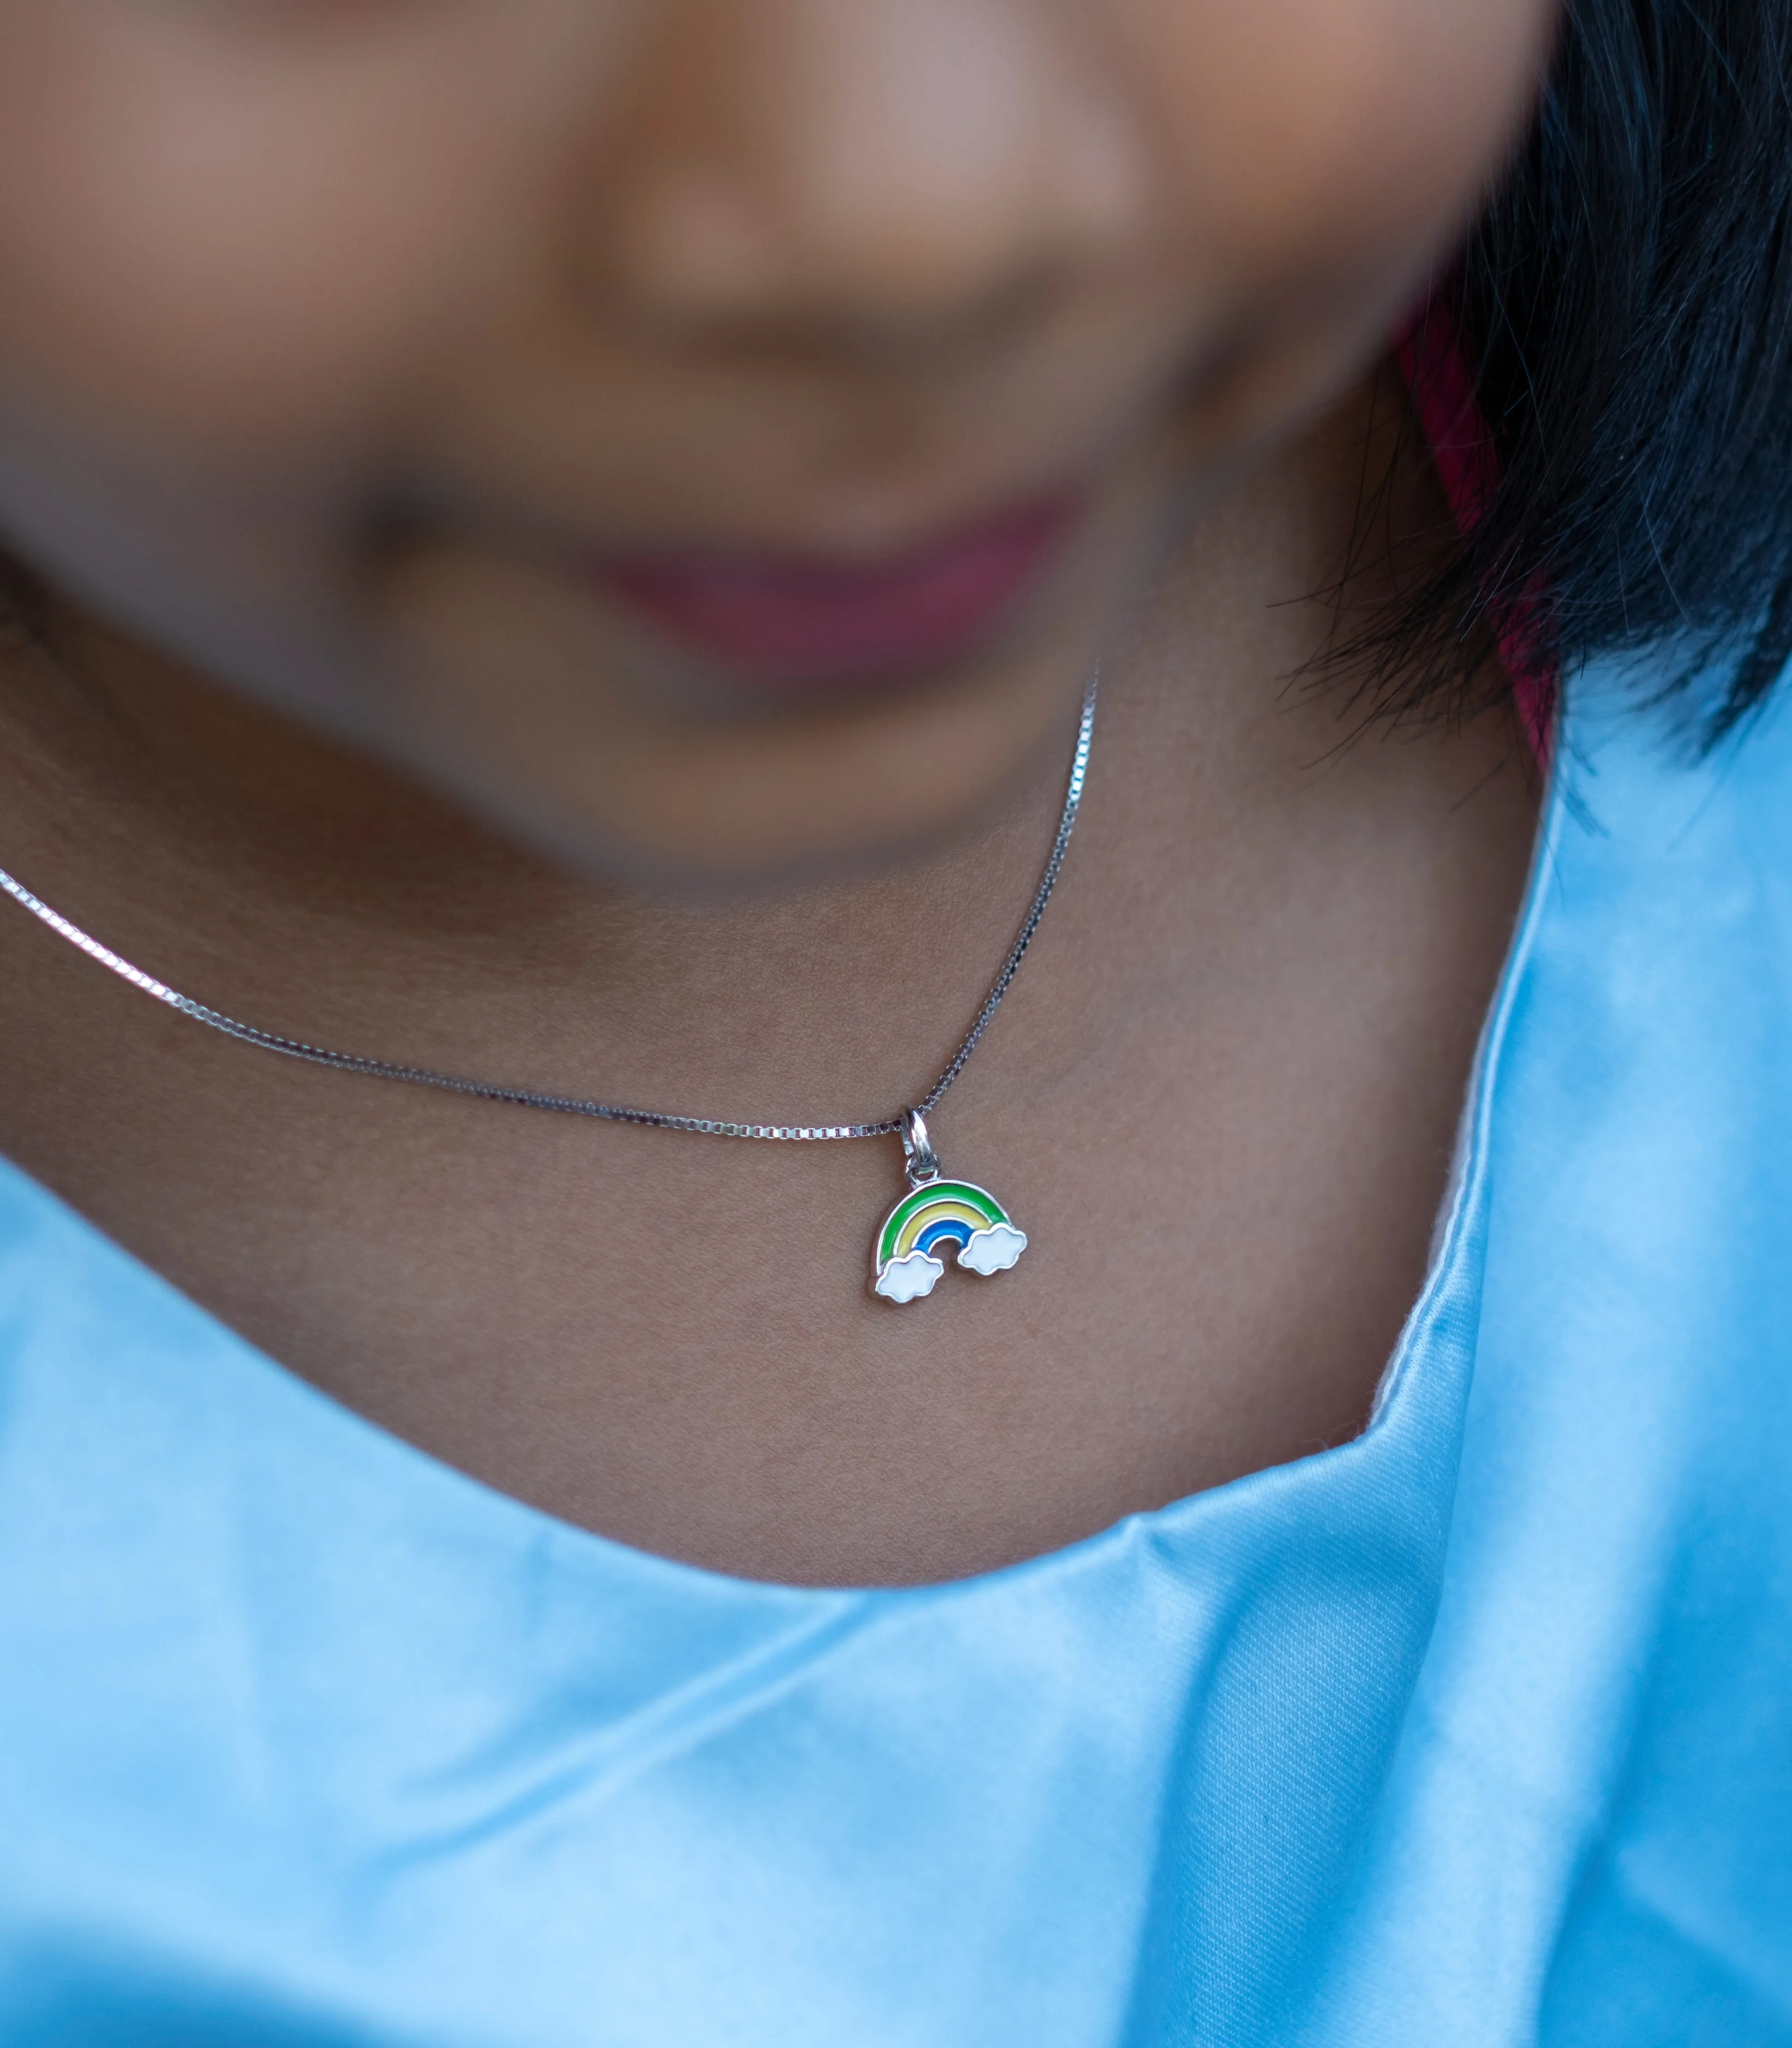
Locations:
(619, 1427)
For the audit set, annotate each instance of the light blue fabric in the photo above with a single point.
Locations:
(1476, 1733)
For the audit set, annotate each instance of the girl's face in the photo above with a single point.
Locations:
(709, 433)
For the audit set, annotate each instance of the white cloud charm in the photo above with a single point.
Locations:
(908, 1279)
(993, 1250)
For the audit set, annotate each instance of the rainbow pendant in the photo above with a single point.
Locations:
(936, 1212)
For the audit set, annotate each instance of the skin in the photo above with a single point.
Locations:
(334, 337)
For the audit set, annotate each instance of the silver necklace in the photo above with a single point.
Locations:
(936, 1213)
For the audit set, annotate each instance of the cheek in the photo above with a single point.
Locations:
(1317, 136)
(224, 243)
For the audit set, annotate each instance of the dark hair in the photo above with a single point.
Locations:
(1625, 306)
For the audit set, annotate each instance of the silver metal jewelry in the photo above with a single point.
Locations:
(935, 1212)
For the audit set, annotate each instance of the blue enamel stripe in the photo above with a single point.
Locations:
(954, 1227)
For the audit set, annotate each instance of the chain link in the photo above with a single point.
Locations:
(707, 1126)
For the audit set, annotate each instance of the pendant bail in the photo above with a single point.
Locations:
(922, 1161)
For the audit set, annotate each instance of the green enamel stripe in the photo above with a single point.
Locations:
(974, 1200)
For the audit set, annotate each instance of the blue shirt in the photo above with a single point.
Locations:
(1474, 1732)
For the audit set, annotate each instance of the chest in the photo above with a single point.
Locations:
(1223, 1121)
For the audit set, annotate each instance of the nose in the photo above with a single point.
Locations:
(907, 175)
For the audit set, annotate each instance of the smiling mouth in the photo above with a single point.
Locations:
(775, 621)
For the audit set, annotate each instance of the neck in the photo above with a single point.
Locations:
(271, 874)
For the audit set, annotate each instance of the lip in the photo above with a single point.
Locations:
(772, 619)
